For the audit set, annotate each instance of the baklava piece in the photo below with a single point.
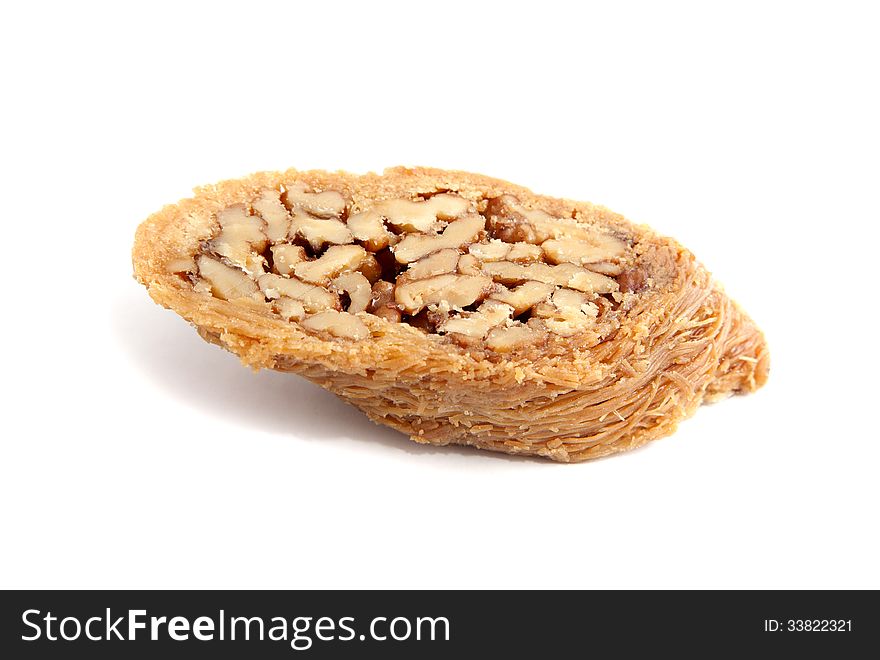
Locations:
(454, 307)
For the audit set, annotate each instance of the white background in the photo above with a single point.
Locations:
(135, 455)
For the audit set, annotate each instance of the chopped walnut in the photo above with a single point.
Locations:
(496, 250)
(524, 253)
(241, 239)
(406, 216)
(289, 309)
(455, 290)
(525, 296)
(476, 325)
(358, 289)
(511, 221)
(313, 298)
(585, 280)
(601, 248)
(444, 261)
(426, 262)
(276, 215)
(338, 324)
(504, 340)
(457, 233)
(285, 256)
(327, 204)
(567, 275)
(368, 228)
(606, 268)
(422, 216)
(319, 232)
(225, 282)
(568, 313)
(337, 259)
(468, 264)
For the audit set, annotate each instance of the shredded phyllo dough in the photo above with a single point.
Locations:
(456, 308)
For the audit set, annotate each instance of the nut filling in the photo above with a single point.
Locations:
(485, 273)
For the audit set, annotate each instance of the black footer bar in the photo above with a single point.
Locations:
(277, 624)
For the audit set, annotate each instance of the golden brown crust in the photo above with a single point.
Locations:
(682, 341)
